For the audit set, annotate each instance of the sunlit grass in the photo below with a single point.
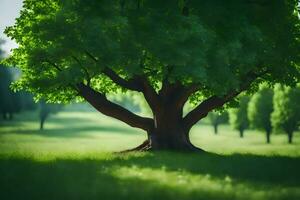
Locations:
(73, 159)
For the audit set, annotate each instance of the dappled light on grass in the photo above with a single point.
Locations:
(163, 175)
(184, 184)
(74, 161)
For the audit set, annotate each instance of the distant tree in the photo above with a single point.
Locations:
(9, 101)
(45, 110)
(260, 108)
(171, 51)
(286, 114)
(5, 93)
(12, 102)
(238, 116)
(217, 118)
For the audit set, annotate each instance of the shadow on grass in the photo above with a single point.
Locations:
(75, 132)
(33, 117)
(94, 179)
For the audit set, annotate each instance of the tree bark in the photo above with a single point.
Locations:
(169, 132)
(103, 105)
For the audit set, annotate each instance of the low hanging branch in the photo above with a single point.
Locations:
(100, 102)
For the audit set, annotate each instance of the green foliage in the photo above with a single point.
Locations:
(238, 116)
(260, 108)
(211, 43)
(286, 115)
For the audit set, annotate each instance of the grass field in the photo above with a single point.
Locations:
(73, 159)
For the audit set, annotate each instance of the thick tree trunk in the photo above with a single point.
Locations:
(290, 137)
(170, 138)
(168, 132)
(173, 139)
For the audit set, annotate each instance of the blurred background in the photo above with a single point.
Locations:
(56, 151)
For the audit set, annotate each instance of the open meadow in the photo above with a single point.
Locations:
(72, 159)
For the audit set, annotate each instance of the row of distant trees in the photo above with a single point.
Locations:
(270, 110)
(14, 102)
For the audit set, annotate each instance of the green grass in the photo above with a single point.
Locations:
(72, 159)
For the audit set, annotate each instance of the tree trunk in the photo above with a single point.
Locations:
(173, 139)
(216, 129)
(42, 121)
(241, 133)
(268, 135)
(290, 137)
(168, 132)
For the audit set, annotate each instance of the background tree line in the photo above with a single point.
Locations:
(274, 110)
(14, 102)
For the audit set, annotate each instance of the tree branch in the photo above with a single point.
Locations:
(84, 69)
(137, 83)
(213, 102)
(131, 84)
(185, 93)
(100, 102)
(54, 65)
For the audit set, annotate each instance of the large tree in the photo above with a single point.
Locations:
(286, 115)
(260, 108)
(171, 51)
